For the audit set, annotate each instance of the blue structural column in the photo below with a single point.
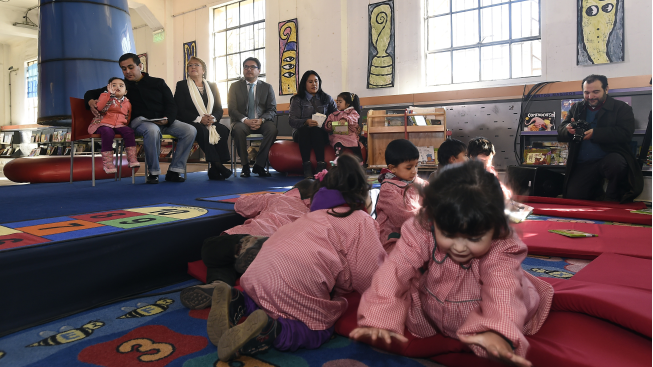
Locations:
(80, 42)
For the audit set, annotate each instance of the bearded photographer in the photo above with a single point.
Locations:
(599, 130)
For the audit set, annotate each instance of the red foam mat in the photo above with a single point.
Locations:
(619, 270)
(197, 270)
(590, 203)
(631, 241)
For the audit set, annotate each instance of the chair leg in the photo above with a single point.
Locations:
(233, 157)
(72, 155)
(133, 173)
(93, 162)
(121, 150)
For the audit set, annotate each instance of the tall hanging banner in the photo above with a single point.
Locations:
(190, 50)
(288, 57)
(381, 47)
(600, 38)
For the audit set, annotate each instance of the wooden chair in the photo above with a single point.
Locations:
(81, 118)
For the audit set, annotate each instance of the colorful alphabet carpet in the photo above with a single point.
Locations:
(157, 330)
(46, 231)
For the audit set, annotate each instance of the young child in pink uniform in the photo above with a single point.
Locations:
(115, 114)
(398, 199)
(482, 149)
(293, 290)
(474, 288)
(227, 256)
(349, 110)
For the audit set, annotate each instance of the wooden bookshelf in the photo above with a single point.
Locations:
(379, 135)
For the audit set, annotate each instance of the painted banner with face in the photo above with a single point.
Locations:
(288, 57)
(600, 31)
(190, 50)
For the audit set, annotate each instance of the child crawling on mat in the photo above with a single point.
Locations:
(293, 291)
(227, 256)
(474, 288)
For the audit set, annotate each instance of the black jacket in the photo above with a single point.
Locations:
(186, 110)
(150, 97)
(615, 124)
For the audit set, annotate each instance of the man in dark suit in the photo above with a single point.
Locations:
(604, 150)
(252, 108)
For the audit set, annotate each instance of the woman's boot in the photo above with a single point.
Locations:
(321, 166)
(131, 157)
(107, 162)
(308, 169)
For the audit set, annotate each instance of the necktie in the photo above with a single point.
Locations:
(251, 107)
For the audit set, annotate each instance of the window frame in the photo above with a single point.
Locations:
(214, 54)
(479, 45)
(31, 103)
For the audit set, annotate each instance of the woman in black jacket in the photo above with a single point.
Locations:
(198, 104)
(310, 99)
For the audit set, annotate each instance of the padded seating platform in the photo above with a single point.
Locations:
(68, 272)
(46, 169)
(285, 156)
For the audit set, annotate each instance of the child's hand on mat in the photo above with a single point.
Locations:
(375, 333)
(496, 347)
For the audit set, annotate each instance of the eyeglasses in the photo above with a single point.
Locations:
(194, 65)
(250, 67)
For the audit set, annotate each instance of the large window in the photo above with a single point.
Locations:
(480, 40)
(32, 101)
(238, 33)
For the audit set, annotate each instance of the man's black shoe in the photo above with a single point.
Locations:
(260, 171)
(152, 179)
(173, 176)
(245, 171)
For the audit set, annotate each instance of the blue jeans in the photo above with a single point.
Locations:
(152, 132)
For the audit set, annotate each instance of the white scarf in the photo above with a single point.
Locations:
(195, 95)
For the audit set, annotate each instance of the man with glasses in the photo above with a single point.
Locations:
(252, 108)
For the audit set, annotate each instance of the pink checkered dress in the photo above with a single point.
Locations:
(268, 212)
(393, 208)
(489, 293)
(305, 267)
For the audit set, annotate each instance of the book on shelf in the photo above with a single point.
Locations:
(427, 156)
(165, 151)
(540, 121)
(7, 137)
(34, 138)
(33, 152)
(394, 121)
(537, 156)
(68, 136)
(565, 105)
(2, 137)
(428, 119)
(66, 151)
(194, 154)
(17, 152)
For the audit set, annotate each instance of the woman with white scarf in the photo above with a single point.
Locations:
(198, 104)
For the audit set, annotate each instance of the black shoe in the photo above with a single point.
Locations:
(256, 334)
(152, 179)
(227, 308)
(260, 171)
(244, 172)
(247, 252)
(198, 297)
(214, 173)
(308, 169)
(224, 171)
(173, 176)
(320, 167)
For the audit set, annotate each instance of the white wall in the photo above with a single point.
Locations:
(16, 54)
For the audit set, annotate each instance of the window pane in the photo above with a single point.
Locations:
(492, 2)
(458, 5)
(246, 11)
(436, 7)
(233, 41)
(525, 19)
(439, 32)
(465, 28)
(465, 65)
(260, 55)
(526, 59)
(495, 62)
(259, 10)
(220, 45)
(247, 38)
(259, 35)
(219, 19)
(232, 15)
(438, 68)
(494, 24)
(221, 68)
(233, 66)
(224, 91)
